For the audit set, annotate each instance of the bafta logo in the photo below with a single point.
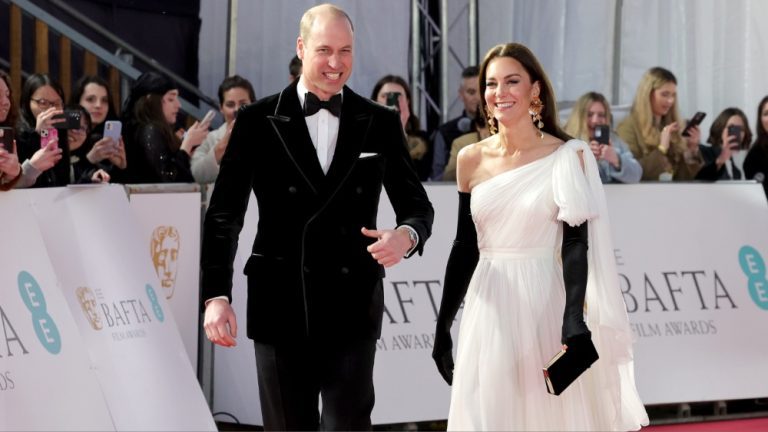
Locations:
(164, 247)
(88, 302)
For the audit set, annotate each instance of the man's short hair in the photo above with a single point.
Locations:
(309, 18)
(470, 72)
(235, 81)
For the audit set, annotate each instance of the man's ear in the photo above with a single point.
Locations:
(300, 48)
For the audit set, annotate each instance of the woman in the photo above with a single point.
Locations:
(652, 130)
(418, 143)
(155, 154)
(92, 93)
(728, 136)
(10, 170)
(756, 162)
(234, 92)
(40, 110)
(615, 161)
(521, 303)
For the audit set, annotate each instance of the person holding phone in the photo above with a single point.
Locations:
(235, 92)
(394, 91)
(155, 154)
(590, 121)
(41, 109)
(92, 93)
(756, 161)
(729, 138)
(652, 130)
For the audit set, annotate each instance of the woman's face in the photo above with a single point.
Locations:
(76, 137)
(5, 100)
(764, 116)
(95, 100)
(171, 106)
(596, 116)
(508, 90)
(234, 98)
(663, 99)
(402, 102)
(44, 98)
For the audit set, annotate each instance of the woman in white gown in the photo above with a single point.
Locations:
(532, 254)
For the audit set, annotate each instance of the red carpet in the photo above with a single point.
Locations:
(744, 425)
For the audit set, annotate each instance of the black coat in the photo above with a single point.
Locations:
(310, 276)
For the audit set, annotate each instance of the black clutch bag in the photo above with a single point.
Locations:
(569, 364)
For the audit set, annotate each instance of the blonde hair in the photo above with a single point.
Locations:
(642, 110)
(576, 126)
(305, 25)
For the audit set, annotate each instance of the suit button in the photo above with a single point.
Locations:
(306, 269)
(344, 270)
(359, 190)
(292, 190)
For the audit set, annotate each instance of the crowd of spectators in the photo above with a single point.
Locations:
(56, 145)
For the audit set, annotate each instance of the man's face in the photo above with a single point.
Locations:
(469, 92)
(326, 55)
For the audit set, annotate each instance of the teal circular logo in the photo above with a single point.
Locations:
(753, 265)
(158, 311)
(34, 299)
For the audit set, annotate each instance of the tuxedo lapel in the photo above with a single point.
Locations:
(353, 126)
(291, 128)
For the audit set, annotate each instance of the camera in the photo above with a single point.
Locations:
(393, 99)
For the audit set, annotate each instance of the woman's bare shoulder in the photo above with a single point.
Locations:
(469, 159)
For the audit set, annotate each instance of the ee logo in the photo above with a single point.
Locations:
(753, 265)
(34, 300)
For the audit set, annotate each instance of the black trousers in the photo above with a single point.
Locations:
(292, 378)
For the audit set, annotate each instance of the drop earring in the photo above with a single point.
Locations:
(535, 110)
(491, 121)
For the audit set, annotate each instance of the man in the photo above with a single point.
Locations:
(469, 92)
(315, 296)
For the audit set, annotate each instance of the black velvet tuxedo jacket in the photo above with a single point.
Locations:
(310, 276)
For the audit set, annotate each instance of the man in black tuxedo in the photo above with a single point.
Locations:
(316, 156)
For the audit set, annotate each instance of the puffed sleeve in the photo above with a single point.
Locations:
(572, 184)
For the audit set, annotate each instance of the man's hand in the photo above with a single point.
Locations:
(391, 246)
(220, 323)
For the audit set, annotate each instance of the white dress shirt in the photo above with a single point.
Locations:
(323, 129)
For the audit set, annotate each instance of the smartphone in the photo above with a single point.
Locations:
(734, 133)
(71, 119)
(393, 99)
(48, 135)
(603, 134)
(113, 129)
(695, 121)
(6, 138)
(208, 117)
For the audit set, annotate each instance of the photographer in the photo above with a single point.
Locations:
(592, 114)
(392, 90)
(723, 156)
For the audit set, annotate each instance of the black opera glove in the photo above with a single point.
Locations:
(458, 272)
(575, 267)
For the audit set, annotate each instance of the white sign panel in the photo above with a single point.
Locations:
(100, 260)
(170, 235)
(46, 382)
(691, 259)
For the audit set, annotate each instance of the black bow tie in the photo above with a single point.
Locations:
(313, 104)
